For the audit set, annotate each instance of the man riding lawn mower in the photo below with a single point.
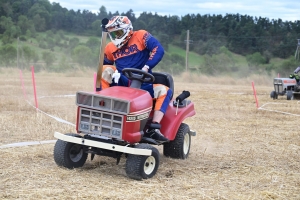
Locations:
(296, 76)
(131, 111)
(139, 50)
(287, 86)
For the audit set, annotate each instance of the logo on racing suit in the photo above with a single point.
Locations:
(126, 51)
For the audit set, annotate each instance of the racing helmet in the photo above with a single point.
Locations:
(119, 30)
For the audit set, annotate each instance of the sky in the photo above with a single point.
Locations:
(287, 10)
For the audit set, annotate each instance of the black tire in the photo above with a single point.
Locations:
(273, 95)
(179, 148)
(289, 95)
(68, 154)
(142, 167)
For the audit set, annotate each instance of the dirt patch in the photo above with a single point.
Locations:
(240, 152)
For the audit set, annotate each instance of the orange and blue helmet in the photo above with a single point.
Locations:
(119, 30)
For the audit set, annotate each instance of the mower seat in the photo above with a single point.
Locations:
(165, 79)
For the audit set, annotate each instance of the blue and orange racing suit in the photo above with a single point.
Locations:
(142, 49)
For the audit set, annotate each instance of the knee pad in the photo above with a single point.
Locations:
(159, 90)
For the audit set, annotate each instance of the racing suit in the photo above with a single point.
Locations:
(142, 49)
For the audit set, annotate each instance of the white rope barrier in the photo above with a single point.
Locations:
(287, 113)
(56, 118)
(58, 96)
(20, 144)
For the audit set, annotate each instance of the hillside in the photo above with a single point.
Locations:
(62, 51)
(239, 151)
(232, 44)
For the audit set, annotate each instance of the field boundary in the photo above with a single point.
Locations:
(287, 113)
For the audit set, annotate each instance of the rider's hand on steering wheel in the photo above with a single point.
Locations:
(145, 68)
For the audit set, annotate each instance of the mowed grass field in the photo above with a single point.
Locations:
(239, 152)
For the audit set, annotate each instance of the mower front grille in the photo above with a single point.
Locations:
(100, 123)
(99, 102)
(278, 88)
(278, 85)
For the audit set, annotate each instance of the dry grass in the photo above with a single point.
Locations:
(240, 152)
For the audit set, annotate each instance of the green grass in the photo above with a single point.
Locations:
(195, 61)
(58, 51)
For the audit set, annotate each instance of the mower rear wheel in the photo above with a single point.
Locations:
(142, 167)
(180, 147)
(68, 154)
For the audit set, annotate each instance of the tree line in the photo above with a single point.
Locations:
(258, 38)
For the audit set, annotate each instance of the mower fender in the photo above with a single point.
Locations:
(174, 117)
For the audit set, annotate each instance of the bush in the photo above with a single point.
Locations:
(49, 58)
(22, 38)
(38, 67)
(83, 55)
(288, 66)
(255, 59)
(8, 54)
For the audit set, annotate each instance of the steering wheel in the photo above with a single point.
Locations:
(138, 74)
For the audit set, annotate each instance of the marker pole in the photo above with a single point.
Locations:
(34, 88)
(95, 81)
(254, 93)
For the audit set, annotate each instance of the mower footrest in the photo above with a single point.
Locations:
(192, 133)
(102, 145)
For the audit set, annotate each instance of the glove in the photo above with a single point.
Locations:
(292, 75)
(145, 68)
(116, 76)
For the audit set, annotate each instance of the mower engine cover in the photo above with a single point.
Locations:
(116, 112)
(281, 85)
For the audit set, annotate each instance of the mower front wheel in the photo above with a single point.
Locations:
(142, 167)
(180, 147)
(68, 154)
(274, 95)
(289, 95)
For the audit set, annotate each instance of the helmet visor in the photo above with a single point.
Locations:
(116, 34)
